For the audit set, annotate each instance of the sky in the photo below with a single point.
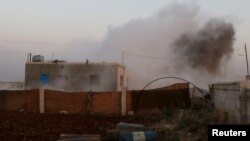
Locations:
(53, 27)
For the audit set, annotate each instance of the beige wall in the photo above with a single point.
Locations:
(11, 86)
(74, 76)
(233, 98)
(121, 72)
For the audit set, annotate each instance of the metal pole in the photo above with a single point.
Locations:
(246, 60)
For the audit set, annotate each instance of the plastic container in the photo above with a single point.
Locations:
(138, 136)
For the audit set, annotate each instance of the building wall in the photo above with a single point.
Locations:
(11, 86)
(74, 76)
(233, 98)
(122, 79)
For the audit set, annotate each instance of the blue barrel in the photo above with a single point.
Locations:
(129, 126)
(138, 136)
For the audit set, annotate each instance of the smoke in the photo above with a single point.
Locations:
(170, 43)
(173, 41)
(206, 48)
(149, 36)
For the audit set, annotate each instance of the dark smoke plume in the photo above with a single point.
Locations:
(206, 48)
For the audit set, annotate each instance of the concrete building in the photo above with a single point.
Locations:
(233, 98)
(68, 76)
(11, 85)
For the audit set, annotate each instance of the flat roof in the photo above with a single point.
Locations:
(77, 63)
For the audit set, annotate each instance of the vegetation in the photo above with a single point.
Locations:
(183, 125)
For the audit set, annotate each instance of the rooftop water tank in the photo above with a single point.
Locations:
(37, 58)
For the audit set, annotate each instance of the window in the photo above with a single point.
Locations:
(121, 80)
(44, 79)
(94, 79)
(62, 77)
(59, 76)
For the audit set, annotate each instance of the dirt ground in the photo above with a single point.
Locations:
(16, 126)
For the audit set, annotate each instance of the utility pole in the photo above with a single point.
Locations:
(122, 57)
(247, 76)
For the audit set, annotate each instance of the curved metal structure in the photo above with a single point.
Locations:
(202, 92)
(206, 96)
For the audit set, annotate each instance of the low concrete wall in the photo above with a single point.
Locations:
(50, 101)
(57, 101)
(106, 103)
(72, 102)
(233, 98)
